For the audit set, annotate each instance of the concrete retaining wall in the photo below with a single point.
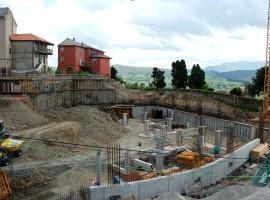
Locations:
(243, 131)
(45, 101)
(208, 174)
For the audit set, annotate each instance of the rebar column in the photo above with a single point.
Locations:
(125, 119)
(169, 123)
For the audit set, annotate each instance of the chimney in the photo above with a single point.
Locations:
(73, 39)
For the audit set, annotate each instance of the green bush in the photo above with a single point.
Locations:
(236, 91)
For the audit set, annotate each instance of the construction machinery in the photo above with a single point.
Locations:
(262, 176)
(8, 147)
(4, 158)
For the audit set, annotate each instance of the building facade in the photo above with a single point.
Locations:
(75, 57)
(21, 53)
(29, 53)
(8, 26)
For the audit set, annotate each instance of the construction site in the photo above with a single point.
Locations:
(90, 138)
(87, 137)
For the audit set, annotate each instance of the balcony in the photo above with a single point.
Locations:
(47, 50)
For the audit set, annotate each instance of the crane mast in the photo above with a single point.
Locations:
(266, 99)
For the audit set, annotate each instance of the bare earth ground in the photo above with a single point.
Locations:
(50, 168)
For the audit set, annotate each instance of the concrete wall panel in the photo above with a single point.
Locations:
(178, 182)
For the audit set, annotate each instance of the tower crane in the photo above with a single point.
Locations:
(266, 98)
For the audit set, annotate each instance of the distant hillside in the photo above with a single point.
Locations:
(219, 81)
(235, 66)
(238, 75)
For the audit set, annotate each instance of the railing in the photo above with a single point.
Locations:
(44, 50)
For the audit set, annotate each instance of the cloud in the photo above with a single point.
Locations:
(152, 32)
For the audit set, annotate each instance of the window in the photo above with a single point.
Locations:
(9, 50)
(62, 49)
(62, 59)
(230, 164)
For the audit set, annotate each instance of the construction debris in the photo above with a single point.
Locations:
(259, 152)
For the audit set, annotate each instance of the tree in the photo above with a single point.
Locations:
(207, 88)
(113, 72)
(179, 74)
(236, 91)
(256, 87)
(196, 78)
(158, 78)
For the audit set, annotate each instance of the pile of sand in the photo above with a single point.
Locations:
(18, 115)
(64, 132)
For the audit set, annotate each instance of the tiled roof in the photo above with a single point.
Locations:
(28, 37)
(73, 42)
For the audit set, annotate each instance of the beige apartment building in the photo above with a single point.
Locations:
(21, 53)
(8, 27)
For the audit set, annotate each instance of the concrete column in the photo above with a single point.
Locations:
(202, 130)
(200, 143)
(98, 167)
(159, 161)
(188, 124)
(146, 127)
(252, 133)
(179, 137)
(164, 137)
(169, 123)
(145, 115)
(125, 119)
(218, 138)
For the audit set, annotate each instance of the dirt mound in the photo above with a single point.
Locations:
(64, 132)
(31, 180)
(97, 127)
(19, 115)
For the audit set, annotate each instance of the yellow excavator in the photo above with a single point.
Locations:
(8, 147)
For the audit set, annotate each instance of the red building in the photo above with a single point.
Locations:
(77, 57)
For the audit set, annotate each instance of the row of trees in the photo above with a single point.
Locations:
(180, 77)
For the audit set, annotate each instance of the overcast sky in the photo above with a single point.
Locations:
(151, 32)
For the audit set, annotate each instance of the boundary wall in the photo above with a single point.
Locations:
(179, 182)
